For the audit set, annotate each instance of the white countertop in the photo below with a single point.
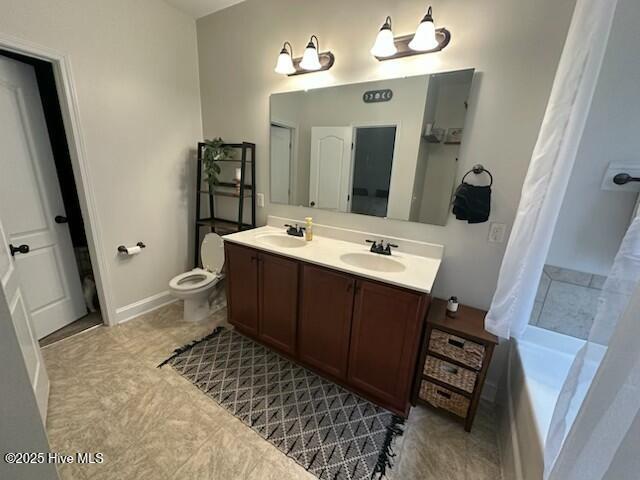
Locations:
(419, 273)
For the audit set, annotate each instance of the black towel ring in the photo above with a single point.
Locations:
(478, 169)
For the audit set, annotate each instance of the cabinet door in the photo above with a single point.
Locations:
(242, 287)
(384, 342)
(278, 287)
(325, 319)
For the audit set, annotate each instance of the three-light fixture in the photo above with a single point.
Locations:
(427, 39)
(311, 60)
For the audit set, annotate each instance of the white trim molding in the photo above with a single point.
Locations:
(81, 171)
(146, 305)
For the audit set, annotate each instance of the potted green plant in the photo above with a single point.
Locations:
(214, 151)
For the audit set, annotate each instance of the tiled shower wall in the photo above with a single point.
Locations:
(566, 301)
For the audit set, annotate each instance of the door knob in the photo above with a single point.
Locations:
(60, 219)
(313, 204)
(19, 249)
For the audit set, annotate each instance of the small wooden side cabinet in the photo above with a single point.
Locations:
(454, 360)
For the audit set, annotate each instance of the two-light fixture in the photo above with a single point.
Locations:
(311, 60)
(427, 39)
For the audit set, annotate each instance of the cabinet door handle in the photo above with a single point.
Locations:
(254, 258)
(350, 286)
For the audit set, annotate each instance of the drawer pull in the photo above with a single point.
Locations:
(449, 369)
(456, 343)
(444, 394)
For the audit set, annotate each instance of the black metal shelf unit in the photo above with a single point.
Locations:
(242, 191)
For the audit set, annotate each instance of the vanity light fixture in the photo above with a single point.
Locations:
(427, 39)
(311, 60)
(384, 46)
(285, 60)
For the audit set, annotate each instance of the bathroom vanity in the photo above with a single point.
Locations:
(353, 316)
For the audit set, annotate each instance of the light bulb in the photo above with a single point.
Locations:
(425, 36)
(285, 63)
(385, 45)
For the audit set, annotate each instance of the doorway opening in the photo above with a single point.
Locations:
(41, 204)
(282, 163)
(372, 162)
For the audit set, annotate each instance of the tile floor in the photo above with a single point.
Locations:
(107, 396)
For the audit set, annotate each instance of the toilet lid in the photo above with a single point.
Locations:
(212, 253)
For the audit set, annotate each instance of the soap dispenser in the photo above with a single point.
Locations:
(308, 231)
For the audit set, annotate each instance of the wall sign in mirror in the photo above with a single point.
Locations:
(375, 96)
(332, 151)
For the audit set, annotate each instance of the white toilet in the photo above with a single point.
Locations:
(195, 287)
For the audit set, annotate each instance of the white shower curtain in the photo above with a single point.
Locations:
(604, 427)
(550, 168)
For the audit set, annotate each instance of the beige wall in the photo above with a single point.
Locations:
(136, 76)
(514, 46)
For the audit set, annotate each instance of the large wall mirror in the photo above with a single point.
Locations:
(387, 148)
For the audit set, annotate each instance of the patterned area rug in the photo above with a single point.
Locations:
(331, 432)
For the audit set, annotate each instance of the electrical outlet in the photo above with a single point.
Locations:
(497, 232)
(260, 199)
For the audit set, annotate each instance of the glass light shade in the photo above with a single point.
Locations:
(310, 59)
(285, 64)
(384, 46)
(425, 37)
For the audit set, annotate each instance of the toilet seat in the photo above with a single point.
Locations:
(193, 280)
(196, 286)
(212, 253)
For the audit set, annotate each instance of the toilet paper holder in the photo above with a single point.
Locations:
(123, 249)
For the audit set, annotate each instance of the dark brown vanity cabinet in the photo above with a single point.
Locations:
(278, 302)
(262, 296)
(361, 333)
(385, 331)
(241, 264)
(324, 325)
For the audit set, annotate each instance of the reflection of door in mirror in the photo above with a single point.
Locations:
(372, 161)
(330, 168)
(281, 140)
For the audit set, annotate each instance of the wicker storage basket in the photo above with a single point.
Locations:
(443, 398)
(451, 374)
(460, 349)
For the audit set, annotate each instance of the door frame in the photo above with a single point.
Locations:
(68, 99)
(354, 136)
(293, 170)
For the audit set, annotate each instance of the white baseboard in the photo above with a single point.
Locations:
(133, 310)
(489, 392)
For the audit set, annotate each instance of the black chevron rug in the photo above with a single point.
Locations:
(331, 432)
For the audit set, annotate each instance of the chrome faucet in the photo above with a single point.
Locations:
(295, 231)
(380, 248)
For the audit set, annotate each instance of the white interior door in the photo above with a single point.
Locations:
(330, 168)
(30, 199)
(280, 164)
(10, 283)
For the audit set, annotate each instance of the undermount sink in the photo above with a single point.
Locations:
(372, 261)
(281, 240)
